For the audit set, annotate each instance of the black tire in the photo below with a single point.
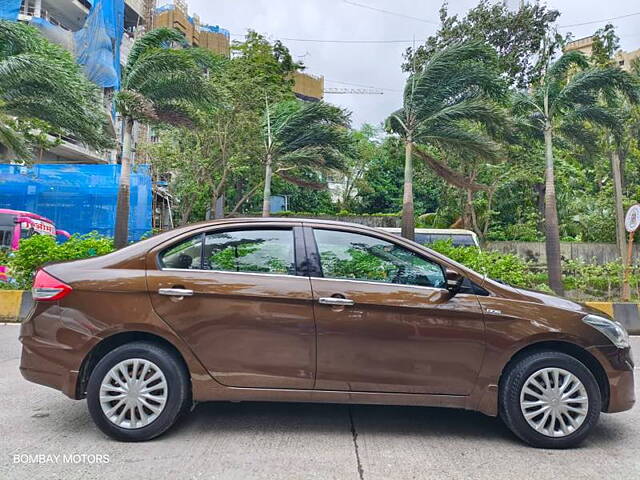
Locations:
(513, 382)
(178, 390)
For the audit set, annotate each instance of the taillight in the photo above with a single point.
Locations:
(47, 287)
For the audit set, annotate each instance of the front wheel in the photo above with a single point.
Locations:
(137, 391)
(550, 400)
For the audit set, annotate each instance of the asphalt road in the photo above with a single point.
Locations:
(291, 441)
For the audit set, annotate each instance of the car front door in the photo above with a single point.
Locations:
(385, 320)
(237, 297)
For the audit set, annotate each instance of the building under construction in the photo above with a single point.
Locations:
(623, 59)
(70, 179)
(175, 14)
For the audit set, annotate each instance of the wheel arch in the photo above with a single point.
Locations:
(571, 349)
(114, 341)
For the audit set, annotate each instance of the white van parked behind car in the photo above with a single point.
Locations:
(427, 236)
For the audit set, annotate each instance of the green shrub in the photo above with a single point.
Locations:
(41, 249)
(505, 267)
(525, 231)
(581, 280)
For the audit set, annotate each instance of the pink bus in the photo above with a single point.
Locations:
(16, 224)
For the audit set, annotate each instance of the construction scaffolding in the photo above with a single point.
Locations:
(176, 15)
(78, 198)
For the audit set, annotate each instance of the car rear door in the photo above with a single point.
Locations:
(237, 296)
(385, 321)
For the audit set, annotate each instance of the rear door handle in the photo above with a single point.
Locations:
(345, 302)
(176, 292)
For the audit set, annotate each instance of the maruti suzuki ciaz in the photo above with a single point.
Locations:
(315, 311)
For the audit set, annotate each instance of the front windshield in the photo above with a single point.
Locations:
(6, 235)
(27, 232)
(6, 230)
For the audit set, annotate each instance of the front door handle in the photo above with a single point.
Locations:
(344, 302)
(176, 292)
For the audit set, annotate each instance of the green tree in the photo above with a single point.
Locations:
(566, 102)
(42, 88)
(365, 149)
(302, 134)
(448, 105)
(218, 158)
(160, 84)
(262, 69)
(618, 141)
(517, 37)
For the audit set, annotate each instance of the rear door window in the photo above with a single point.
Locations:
(253, 251)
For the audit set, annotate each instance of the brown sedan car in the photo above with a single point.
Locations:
(313, 311)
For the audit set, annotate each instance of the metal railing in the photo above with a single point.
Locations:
(29, 10)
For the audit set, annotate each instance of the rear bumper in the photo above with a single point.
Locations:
(618, 365)
(35, 367)
(45, 360)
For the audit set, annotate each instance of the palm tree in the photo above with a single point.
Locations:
(40, 82)
(300, 134)
(627, 127)
(566, 97)
(443, 104)
(160, 84)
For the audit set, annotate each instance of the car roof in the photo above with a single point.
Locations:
(265, 220)
(455, 231)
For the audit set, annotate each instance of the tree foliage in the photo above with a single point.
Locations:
(43, 88)
(516, 36)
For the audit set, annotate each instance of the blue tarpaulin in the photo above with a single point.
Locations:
(215, 29)
(203, 27)
(9, 9)
(97, 44)
(78, 198)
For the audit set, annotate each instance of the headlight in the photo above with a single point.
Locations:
(614, 331)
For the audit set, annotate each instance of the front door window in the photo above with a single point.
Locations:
(345, 255)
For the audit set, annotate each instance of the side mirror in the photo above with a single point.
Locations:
(454, 281)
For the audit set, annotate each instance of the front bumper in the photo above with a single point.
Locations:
(618, 366)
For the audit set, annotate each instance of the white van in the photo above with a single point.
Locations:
(427, 236)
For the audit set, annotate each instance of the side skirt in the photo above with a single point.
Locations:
(237, 394)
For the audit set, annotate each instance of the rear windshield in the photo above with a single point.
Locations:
(457, 239)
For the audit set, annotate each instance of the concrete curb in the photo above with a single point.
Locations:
(10, 305)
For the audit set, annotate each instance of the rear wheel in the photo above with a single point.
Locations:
(137, 391)
(550, 400)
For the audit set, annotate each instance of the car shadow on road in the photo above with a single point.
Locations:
(339, 418)
(397, 421)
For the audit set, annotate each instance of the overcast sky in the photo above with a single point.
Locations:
(378, 65)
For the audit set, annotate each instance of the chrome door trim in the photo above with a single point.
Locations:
(198, 270)
(353, 280)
